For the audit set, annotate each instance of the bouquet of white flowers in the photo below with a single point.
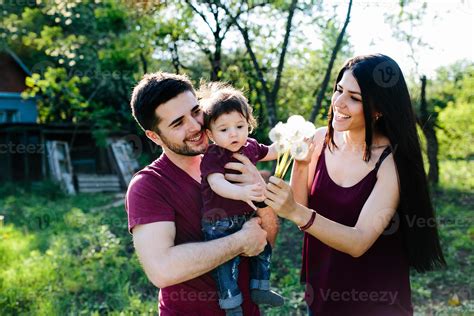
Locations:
(290, 142)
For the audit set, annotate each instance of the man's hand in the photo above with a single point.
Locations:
(253, 236)
(250, 174)
(270, 223)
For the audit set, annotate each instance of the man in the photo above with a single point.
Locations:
(164, 203)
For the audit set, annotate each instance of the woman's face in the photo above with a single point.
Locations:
(346, 102)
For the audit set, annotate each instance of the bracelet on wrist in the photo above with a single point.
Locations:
(310, 222)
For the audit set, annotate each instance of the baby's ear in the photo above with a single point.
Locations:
(209, 134)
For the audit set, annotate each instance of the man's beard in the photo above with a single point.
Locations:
(183, 149)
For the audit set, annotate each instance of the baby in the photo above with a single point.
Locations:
(226, 206)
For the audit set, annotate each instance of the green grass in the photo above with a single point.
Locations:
(450, 291)
(62, 255)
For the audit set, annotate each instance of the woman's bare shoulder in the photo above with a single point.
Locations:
(320, 135)
(318, 141)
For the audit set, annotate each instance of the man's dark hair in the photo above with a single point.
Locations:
(217, 98)
(155, 89)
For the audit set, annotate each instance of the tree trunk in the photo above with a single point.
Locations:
(327, 76)
(427, 126)
(144, 63)
(270, 96)
(216, 71)
(271, 104)
(175, 58)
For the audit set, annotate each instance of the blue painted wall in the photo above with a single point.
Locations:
(27, 112)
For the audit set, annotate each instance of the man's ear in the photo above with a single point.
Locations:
(209, 134)
(154, 137)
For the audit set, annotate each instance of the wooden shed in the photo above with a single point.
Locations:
(67, 153)
(64, 152)
(13, 108)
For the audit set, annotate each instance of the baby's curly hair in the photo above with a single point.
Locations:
(217, 98)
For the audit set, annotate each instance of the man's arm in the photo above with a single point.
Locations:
(270, 223)
(250, 174)
(166, 264)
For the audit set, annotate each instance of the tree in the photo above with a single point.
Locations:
(428, 127)
(409, 17)
(85, 56)
(218, 23)
(60, 95)
(327, 75)
(270, 92)
(451, 94)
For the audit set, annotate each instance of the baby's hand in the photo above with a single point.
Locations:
(253, 192)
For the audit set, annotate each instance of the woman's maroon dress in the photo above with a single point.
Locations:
(376, 283)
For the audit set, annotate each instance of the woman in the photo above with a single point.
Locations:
(361, 197)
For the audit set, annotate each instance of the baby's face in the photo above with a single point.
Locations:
(229, 131)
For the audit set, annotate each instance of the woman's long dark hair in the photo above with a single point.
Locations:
(384, 90)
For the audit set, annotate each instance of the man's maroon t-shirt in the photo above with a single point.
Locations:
(164, 192)
(214, 161)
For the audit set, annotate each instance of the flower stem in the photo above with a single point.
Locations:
(286, 168)
(278, 164)
(282, 164)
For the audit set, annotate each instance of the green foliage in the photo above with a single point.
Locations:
(433, 292)
(64, 257)
(85, 57)
(60, 255)
(453, 99)
(286, 263)
(456, 137)
(59, 96)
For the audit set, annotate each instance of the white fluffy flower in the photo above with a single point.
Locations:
(299, 150)
(295, 135)
(298, 129)
(296, 121)
(277, 134)
(282, 146)
(308, 129)
(289, 139)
